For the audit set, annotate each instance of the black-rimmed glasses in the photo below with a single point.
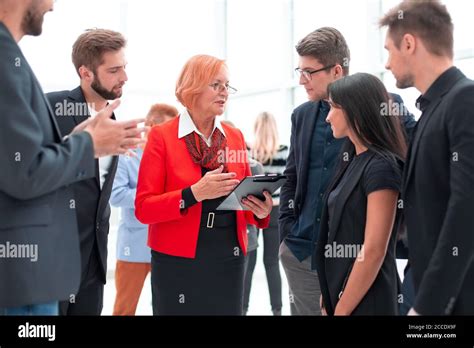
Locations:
(307, 73)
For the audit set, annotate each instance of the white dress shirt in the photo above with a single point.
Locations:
(187, 126)
(104, 162)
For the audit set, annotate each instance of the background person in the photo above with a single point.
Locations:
(133, 254)
(267, 150)
(252, 234)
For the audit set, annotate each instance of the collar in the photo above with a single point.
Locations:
(93, 112)
(187, 126)
(324, 106)
(440, 86)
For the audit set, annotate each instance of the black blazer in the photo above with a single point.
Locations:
(293, 191)
(92, 203)
(35, 196)
(347, 227)
(438, 194)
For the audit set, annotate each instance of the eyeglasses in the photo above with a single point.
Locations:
(307, 73)
(219, 87)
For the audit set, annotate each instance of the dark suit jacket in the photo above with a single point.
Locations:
(302, 128)
(438, 193)
(35, 200)
(347, 228)
(293, 191)
(92, 203)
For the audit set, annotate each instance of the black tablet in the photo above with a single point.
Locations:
(252, 185)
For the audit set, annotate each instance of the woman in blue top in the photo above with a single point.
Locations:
(133, 254)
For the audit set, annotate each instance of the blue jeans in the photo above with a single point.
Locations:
(35, 309)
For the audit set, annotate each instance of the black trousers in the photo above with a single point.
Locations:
(210, 284)
(88, 301)
(250, 262)
(271, 261)
(90, 298)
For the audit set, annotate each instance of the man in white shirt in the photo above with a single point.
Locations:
(99, 58)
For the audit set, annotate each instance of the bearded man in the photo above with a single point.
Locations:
(99, 58)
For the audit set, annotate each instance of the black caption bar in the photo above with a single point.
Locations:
(46, 331)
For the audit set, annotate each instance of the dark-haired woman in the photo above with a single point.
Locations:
(355, 253)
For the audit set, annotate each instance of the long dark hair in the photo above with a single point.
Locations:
(367, 108)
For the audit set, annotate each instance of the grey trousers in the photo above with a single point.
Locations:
(303, 283)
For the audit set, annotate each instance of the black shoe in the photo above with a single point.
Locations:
(276, 311)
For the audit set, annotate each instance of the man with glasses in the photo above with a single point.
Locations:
(323, 58)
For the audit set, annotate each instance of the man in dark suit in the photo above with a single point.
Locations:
(438, 184)
(37, 210)
(99, 59)
(314, 153)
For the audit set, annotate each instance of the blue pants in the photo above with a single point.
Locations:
(35, 309)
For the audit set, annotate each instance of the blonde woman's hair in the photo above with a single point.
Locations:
(266, 141)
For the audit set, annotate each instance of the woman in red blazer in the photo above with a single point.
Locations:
(189, 165)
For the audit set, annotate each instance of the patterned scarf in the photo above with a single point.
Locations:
(209, 157)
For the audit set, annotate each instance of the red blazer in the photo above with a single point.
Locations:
(166, 169)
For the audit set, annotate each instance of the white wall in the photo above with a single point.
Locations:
(257, 37)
